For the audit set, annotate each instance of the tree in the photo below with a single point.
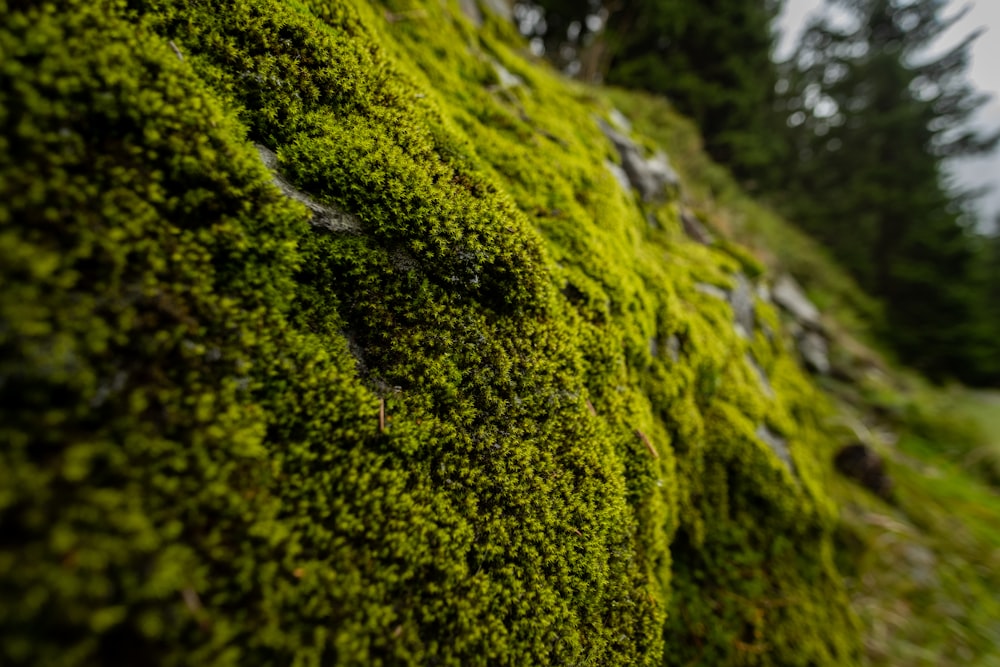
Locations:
(712, 59)
(871, 119)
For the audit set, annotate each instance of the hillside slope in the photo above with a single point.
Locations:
(335, 333)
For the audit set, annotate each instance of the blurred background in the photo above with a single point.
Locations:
(869, 124)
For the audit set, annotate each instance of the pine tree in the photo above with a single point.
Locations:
(872, 119)
(712, 59)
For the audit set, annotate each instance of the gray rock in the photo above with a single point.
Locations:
(650, 177)
(694, 229)
(502, 8)
(619, 120)
(922, 564)
(777, 444)
(742, 302)
(619, 175)
(662, 172)
(471, 9)
(323, 215)
(792, 298)
(674, 347)
(507, 78)
(712, 290)
(765, 384)
(815, 352)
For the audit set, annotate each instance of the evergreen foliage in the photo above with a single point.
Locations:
(871, 118)
(455, 435)
(711, 59)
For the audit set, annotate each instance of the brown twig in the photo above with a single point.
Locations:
(649, 445)
(590, 406)
(381, 415)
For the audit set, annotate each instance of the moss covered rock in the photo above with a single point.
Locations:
(492, 420)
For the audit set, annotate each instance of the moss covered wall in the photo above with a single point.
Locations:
(494, 418)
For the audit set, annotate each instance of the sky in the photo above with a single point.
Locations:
(984, 74)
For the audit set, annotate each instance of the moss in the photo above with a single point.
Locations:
(458, 437)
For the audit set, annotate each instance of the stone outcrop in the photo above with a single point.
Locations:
(790, 296)
(653, 176)
(695, 229)
(807, 326)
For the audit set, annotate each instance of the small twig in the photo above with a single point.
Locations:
(381, 415)
(590, 406)
(176, 50)
(649, 445)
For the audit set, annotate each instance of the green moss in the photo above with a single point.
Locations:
(500, 425)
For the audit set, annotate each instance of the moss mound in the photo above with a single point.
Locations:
(471, 403)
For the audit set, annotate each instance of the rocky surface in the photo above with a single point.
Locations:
(695, 229)
(650, 176)
(790, 296)
(807, 326)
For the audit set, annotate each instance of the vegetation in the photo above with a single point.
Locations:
(848, 139)
(488, 418)
(711, 59)
(871, 119)
(922, 571)
(462, 399)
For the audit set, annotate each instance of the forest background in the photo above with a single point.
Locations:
(851, 136)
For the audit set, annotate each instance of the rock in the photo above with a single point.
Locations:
(619, 175)
(787, 294)
(741, 299)
(471, 9)
(765, 384)
(619, 120)
(815, 352)
(650, 177)
(694, 229)
(674, 347)
(325, 216)
(922, 564)
(862, 464)
(507, 78)
(661, 172)
(777, 444)
(712, 290)
(502, 8)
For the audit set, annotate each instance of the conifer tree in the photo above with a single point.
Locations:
(872, 118)
(712, 59)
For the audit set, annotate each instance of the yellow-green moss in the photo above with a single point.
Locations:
(192, 376)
